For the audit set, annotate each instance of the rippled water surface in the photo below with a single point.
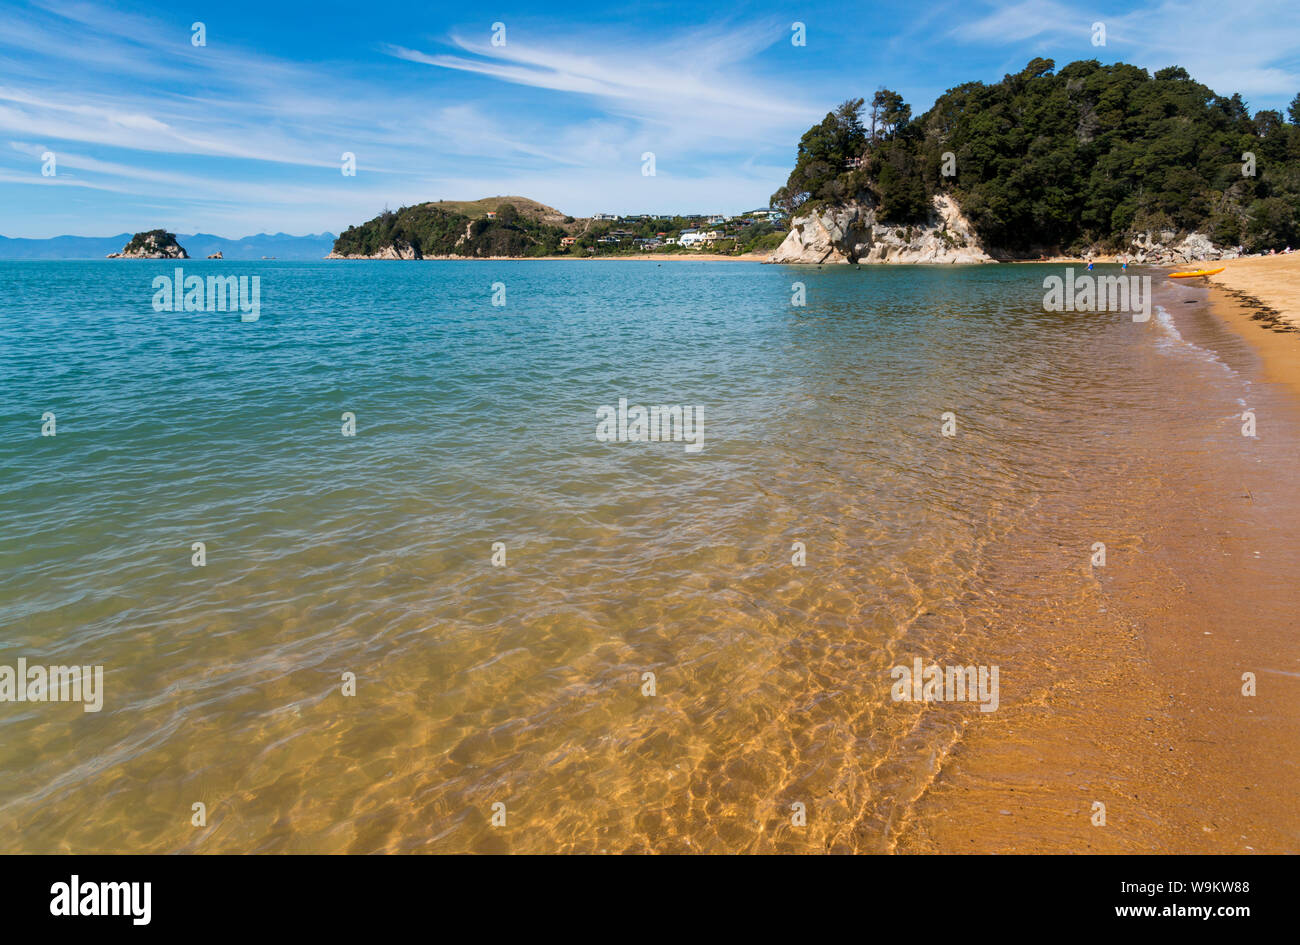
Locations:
(475, 424)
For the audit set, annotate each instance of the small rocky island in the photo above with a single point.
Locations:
(216, 255)
(155, 244)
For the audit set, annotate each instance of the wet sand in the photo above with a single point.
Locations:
(1148, 715)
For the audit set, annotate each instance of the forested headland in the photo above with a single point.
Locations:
(1083, 158)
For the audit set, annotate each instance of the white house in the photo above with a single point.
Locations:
(698, 237)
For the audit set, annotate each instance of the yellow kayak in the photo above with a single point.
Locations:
(1195, 272)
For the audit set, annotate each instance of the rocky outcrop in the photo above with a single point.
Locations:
(851, 233)
(1166, 249)
(398, 250)
(155, 244)
(216, 255)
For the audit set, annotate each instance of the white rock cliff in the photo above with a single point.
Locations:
(852, 234)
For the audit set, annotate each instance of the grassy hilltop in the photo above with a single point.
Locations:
(520, 227)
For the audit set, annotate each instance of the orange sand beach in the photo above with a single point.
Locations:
(1259, 297)
(1147, 723)
(1273, 281)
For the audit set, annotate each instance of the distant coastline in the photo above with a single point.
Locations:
(633, 257)
(200, 245)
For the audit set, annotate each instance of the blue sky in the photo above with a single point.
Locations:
(245, 134)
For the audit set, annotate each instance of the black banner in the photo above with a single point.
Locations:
(148, 895)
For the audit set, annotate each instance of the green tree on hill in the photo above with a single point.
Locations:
(824, 151)
(889, 113)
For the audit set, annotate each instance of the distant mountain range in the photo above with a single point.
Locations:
(198, 245)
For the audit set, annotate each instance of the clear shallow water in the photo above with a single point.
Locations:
(476, 424)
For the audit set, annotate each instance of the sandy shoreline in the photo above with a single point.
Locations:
(635, 257)
(665, 257)
(1147, 724)
(719, 257)
(1259, 298)
(1272, 281)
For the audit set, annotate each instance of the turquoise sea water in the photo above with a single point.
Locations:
(475, 424)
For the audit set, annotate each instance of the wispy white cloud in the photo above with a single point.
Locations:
(208, 130)
(697, 78)
(1250, 48)
(145, 122)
